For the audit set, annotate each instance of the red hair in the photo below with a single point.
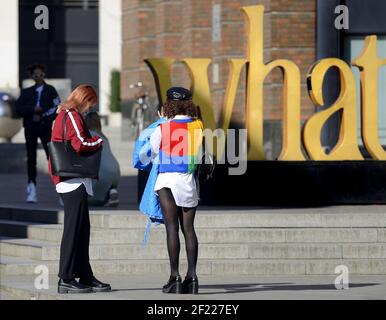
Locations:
(83, 97)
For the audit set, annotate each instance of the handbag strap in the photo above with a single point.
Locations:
(64, 132)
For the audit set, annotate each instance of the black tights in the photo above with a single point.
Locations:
(172, 214)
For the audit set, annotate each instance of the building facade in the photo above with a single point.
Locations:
(216, 29)
(299, 30)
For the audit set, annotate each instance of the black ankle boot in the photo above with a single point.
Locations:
(190, 285)
(72, 286)
(174, 285)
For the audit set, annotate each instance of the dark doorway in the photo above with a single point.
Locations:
(69, 47)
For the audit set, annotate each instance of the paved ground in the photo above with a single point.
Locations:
(13, 192)
(218, 288)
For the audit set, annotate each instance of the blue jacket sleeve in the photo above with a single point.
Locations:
(142, 148)
(149, 204)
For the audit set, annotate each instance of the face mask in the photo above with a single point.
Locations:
(93, 109)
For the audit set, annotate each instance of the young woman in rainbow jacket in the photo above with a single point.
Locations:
(173, 146)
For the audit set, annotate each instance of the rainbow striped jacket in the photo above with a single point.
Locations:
(181, 140)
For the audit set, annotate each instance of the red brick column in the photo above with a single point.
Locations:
(293, 38)
(139, 41)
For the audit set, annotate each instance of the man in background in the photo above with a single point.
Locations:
(37, 106)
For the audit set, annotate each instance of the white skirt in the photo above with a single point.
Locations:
(182, 185)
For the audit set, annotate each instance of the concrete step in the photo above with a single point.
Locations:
(43, 250)
(205, 235)
(228, 218)
(310, 267)
(23, 266)
(20, 266)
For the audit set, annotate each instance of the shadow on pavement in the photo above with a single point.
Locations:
(258, 287)
(277, 287)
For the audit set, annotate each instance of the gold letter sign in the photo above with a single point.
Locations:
(369, 64)
(347, 146)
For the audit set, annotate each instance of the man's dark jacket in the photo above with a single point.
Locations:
(26, 103)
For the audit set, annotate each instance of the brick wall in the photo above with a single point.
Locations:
(183, 28)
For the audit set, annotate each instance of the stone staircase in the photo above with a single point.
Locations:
(232, 242)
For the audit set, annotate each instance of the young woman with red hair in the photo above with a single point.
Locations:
(74, 249)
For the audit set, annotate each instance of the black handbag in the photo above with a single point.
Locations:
(66, 162)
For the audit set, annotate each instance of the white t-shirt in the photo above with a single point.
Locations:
(182, 185)
(73, 184)
(39, 90)
(39, 93)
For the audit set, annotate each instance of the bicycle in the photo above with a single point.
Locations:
(138, 112)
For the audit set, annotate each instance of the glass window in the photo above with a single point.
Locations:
(353, 47)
